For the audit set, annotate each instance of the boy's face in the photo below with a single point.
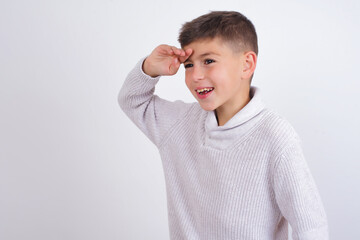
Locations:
(214, 66)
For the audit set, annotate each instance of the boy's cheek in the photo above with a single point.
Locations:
(190, 87)
(187, 82)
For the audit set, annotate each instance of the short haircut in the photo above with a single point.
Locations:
(230, 26)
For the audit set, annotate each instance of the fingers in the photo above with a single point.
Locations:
(176, 51)
(181, 54)
(174, 66)
(187, 52)
(176, 56)
(173, 51)
(181, 59)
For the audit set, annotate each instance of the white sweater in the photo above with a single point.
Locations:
(245, 180)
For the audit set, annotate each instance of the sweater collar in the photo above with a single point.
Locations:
(241, 118)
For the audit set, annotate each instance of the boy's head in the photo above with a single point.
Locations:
(231, 27)
(220, 68)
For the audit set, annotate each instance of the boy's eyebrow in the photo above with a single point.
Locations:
(203, 55)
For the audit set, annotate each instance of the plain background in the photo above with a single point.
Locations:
(73, 166)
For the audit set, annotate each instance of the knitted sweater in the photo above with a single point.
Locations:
(244, 180)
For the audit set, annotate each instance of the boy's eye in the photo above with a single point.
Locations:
(208, 61)
(188, 65)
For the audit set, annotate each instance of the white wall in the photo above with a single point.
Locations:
(72, 166)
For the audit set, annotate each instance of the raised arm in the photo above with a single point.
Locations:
(153, 115)
(297, 196)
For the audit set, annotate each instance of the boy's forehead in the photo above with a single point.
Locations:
(200, 54)
(203, 44)
(205, 47)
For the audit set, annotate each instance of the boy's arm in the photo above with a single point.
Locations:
(153, 115)
(297, 196)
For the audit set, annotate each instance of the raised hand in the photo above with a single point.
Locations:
(165, 60)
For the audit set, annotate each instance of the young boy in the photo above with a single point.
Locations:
(234, 169)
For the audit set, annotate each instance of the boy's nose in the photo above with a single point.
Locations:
(197, 73)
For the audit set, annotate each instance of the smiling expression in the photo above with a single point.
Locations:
(214, 75)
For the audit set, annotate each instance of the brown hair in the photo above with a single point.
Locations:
(230, 26)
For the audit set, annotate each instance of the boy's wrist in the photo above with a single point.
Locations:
(146, 69)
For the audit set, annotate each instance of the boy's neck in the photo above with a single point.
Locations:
(223, 115)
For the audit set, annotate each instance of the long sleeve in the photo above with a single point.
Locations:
(297, 195)
(153, 115)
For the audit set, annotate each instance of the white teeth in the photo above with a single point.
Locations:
(204, 89)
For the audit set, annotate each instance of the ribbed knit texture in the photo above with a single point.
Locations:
(245, 180)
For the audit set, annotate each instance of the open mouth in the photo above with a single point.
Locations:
(204, 91)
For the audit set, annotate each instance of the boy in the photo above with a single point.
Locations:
(234, 169)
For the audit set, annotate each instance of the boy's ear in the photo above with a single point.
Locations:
(250, 60)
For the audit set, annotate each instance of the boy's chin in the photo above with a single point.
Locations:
(207, 107)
